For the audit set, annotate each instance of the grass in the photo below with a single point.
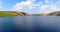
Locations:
(11, 13)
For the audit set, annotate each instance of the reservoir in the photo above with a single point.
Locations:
(30, 24)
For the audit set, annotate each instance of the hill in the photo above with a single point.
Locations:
(12, 13)
(36, 14)
(57, 13)
(15, 13)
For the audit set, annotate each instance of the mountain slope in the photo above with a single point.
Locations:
(57, 13)
(12, 13)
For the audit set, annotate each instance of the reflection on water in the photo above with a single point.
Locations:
(30, 24)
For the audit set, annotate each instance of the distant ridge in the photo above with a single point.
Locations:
(57, 13)
(15, 13)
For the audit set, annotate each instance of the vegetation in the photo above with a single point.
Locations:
(54, 14)
(12, 13)
(57, 13)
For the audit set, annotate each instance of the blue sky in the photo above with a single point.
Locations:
(30, 6)
(9, 3)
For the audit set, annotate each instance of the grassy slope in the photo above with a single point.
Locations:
(12, 13)
(57, 13)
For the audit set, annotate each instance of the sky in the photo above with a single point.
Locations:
(30, 6)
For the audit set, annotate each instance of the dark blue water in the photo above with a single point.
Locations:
(30, 24)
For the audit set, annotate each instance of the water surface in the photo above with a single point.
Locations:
(30, 24)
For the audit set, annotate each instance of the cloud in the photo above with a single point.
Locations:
(30, 0)
(48, 8)
(31, 6)
(24, 4)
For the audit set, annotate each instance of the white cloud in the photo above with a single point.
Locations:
(30, 0)
(48, 8)
(0, 6)
(26, 5)
(44, 7)
(22, 4)
(30, 5)
(53, 7)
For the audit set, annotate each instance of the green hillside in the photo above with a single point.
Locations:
(15, 13)
(12, 13)
(57, 13)
(54, 14)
